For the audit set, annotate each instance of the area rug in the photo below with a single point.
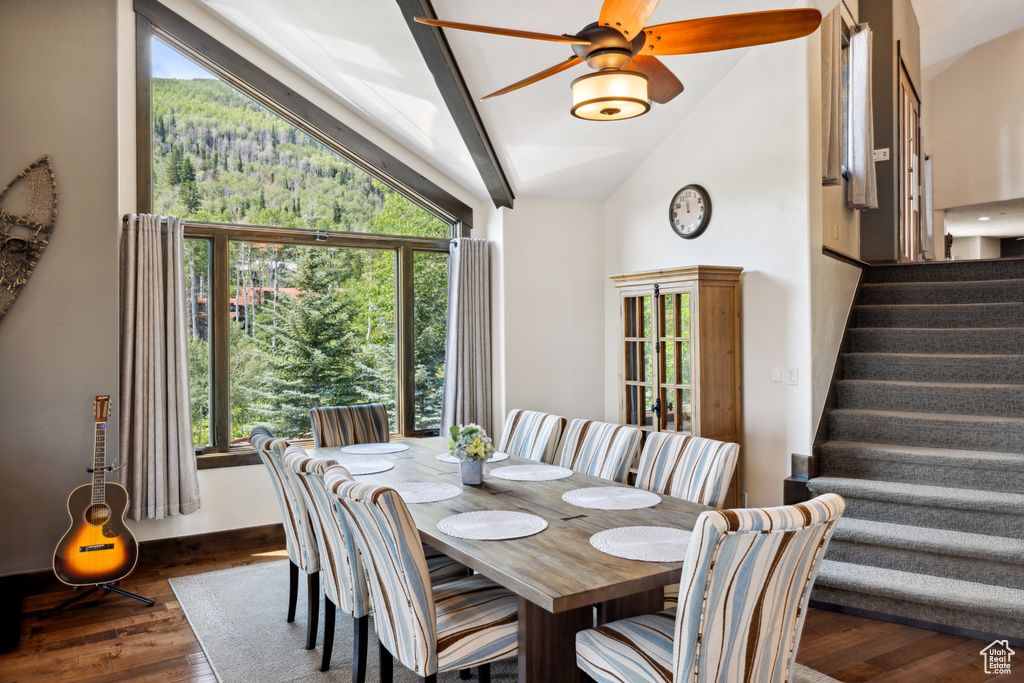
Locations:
(238, 616)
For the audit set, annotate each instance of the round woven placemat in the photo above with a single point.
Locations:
(425, 491)
(648, 543)
(611, 498)
(491, 525)
(531, 472)
(375, 448)
(357, 466)
(498, 456)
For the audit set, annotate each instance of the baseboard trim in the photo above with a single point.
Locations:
(916, 623)
(161, 550)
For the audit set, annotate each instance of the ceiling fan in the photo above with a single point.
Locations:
(624, 53)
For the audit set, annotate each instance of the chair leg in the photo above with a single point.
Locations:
(465, 674)
(585, 677)
(387, 664)
(360, 628)
(485, 673)
(313, 608)
(329, 618)
(293, 589)
(432, 678)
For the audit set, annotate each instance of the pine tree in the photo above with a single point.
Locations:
(190, 195)
(187, 174)
(263, 199)
(312, 362)
(174, 165)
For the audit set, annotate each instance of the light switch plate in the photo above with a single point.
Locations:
(882, 154)
(794, 376)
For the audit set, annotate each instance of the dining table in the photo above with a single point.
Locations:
(557, 574)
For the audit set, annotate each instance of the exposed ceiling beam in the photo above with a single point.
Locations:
(441, 62)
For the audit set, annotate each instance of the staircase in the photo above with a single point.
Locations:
(927, 446)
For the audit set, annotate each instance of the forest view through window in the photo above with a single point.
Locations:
(308, 324)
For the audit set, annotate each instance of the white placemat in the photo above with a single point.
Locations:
(650, 543)
(531, 472)
(497, 456)
(375, 448)
(357, 466)
(611, 498)
(425, 492)
(491, 525)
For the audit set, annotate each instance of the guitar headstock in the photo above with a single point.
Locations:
(101, 408)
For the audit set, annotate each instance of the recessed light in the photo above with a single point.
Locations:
(984, 218)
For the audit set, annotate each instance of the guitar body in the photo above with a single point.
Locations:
(99, 547)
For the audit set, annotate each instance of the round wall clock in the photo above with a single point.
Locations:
(690, 211)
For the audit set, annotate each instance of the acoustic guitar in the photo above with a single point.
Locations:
(98, 548)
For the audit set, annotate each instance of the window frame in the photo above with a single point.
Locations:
(155, 20)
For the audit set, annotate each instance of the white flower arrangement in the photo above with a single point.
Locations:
(470, 442)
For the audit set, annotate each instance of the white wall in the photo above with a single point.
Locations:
(747, 143)
(973, 125)
(549, 317)
(58, 343)
(975, 247)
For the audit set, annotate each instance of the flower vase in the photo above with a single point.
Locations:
(472, 472)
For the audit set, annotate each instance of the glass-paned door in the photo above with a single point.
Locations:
(675, 363)
(639, 361)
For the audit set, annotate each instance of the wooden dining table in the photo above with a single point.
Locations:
(558, 575)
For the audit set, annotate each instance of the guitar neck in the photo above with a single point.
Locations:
(99, 474)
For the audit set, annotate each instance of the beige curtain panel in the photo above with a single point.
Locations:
(155, 411)
(467, 359)
(862, 192)
(831, 102)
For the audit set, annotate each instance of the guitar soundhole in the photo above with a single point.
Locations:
(97, 514)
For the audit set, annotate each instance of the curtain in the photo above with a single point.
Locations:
(927, 217)
(831, 103)
(467, 358)
(862, 191)
(155, 412)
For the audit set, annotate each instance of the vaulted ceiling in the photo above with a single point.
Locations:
(363, 54)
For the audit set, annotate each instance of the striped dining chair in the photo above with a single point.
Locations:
(687, 467)
(748, 575)
(299, 540)
(531, 434)
(600, 449)
(431, 629)
(347, 425)
(344, 583)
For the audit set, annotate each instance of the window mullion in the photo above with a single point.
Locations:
(404, 340)
(220, 385)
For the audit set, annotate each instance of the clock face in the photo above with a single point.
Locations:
(690, 211)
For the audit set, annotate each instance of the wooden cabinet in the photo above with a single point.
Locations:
(679, 360)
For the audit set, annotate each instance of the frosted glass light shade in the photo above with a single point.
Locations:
(610, 95)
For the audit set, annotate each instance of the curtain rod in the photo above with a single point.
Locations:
(853, 19)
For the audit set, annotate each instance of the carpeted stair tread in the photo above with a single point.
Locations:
(964, 292)
(917, 494)
(926, 456)
(947, 271)
(967, 596)
(933, 397)
(970, 368)
(927, 539)
(1009, 314)
(977, 432)
(938, 340)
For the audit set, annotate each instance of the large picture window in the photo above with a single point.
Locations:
(311, 281)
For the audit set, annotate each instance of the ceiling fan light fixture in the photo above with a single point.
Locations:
(610, 95)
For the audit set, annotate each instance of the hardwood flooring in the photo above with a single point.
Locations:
(114, 638)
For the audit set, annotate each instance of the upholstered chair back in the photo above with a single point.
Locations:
(347, 425)
(531, 434)
(601, 449)
(688, 467)
(745, 585)
(299, 540)
(344, 581)
(405, 617)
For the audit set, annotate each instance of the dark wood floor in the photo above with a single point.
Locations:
(119, 639)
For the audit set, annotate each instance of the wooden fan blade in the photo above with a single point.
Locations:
(662, 86)
(504, 31)
(627, 17)
(558, 68)
(729, 32)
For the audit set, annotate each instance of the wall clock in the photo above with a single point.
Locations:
(690, 211)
